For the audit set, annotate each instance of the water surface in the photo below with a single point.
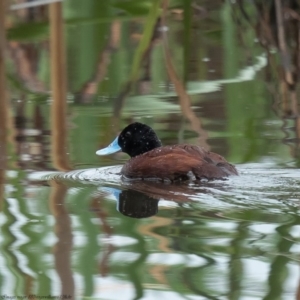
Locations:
(71, 226)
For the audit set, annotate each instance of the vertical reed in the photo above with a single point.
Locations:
(183, 97)
(3, 100)
(63, 247)
(58, 84)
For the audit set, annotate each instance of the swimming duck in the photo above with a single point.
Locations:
(150, 160)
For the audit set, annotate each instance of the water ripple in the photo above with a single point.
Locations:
(259, 185)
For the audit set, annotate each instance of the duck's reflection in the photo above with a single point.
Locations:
(135, 204)
(140, 200)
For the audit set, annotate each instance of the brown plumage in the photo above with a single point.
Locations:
(150, 160)
(178, 162)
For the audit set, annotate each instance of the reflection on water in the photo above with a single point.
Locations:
(239, 234)
(195, 71)
(135, 204)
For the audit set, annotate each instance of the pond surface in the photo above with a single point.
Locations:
(71, 227)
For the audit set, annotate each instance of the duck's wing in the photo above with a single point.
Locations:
(177, 163)
(210, 157)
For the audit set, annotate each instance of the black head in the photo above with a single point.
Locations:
(138, 138)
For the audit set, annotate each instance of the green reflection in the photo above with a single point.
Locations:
(203, 239)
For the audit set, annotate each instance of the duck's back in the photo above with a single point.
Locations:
(179, 162)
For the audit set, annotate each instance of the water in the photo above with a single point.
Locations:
(71, 227)
(104, 237)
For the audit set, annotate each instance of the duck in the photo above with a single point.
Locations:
(150, 160)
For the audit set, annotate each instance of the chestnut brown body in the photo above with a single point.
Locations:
(178, 162)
